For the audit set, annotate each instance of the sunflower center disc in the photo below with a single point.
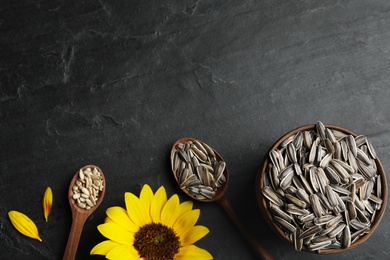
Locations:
(156, 241)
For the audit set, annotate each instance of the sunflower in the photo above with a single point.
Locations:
(152, 227)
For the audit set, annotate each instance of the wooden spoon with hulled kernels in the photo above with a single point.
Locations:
(221, 198)
(80, 215)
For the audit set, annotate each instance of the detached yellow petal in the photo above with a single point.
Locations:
(24, 224)
(47, 202)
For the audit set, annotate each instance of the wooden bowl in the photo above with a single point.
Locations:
(264, 205)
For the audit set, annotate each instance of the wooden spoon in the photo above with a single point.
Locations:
(221, 197)
(79, 215)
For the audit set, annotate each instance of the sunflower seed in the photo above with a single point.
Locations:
(352, 161)
(295, 210)
(366, 170)
(332, 175)
(183, 154)
(307, 139)
(346, 237)
(298, 140)
(358, 233)
(285, 225)
(375, 199)
(287, 141)
(306, 218)
(362, 156)
(340, 170)
(350, 140)
(207, 193)
(291, 153)
(357, 225)
(325, 161)
(339, 189)
(287, 179)
(310, 231)
(351, 209)
(323, 219)
(319, 245)
(324, 201)
(296, 201)
(202, 156)
(371, 149)
(306, 184)
(337, 150)
(316, 205)
(345, 165)
(332, 196)
(313, 150)
(201, 147)
(272, 196)
(314, 179)
(368, 188)
(279, 212)
(302, 194)
(320, 127)
(360, 215)
(298, 242)
(336, 230)
(378, 186)
(368, 207)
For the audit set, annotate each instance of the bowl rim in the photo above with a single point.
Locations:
(261, 201)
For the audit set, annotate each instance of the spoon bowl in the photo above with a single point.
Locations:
(80, 215)
(221, 191)
(221, 197)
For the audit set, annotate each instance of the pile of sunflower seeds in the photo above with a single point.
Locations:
(197, 169)
(87, 187)
(322, 188)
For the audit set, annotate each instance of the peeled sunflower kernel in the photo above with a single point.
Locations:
(47, 202)
(24, 224)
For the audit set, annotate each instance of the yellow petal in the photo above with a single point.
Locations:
(108, 220)
(119, 216)
(47, 202)
(182, 209)
(158, 202)
(186, 221)
(123, 252)
(186, 206)
(193, 234)
(103, 247)
(24, 224)
(146, 196)
(192, 252)
(169, 213)
(116, 233)
(138, 213)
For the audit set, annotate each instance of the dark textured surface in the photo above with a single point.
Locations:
(115, 83)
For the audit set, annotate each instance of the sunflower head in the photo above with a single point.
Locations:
(156, 241)
(152, 227)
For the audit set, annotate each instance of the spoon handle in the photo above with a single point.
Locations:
(74, 236)
(258, 248)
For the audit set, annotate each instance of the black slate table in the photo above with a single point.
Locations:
(116, 83)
